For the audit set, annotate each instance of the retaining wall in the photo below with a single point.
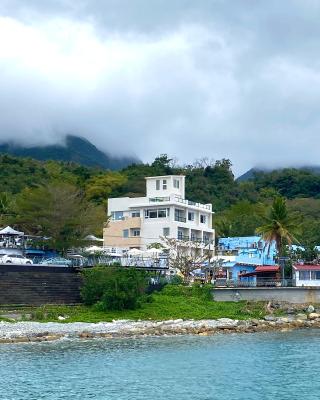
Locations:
(290, 294)
(37, 285)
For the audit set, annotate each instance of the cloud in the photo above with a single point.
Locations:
(192, 79)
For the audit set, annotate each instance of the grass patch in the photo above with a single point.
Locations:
(170, 303)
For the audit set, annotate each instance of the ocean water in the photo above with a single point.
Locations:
(249, 366)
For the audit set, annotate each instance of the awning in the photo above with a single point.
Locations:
(262, 269)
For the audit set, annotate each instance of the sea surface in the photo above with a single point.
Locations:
(237, 367)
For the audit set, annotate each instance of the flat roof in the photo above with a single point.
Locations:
(165, 176)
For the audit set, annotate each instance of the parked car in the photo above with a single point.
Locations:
(14, 259)
(56, 261)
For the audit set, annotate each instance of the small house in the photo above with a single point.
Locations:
(306, 275)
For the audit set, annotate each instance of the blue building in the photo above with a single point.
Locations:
(246, 254)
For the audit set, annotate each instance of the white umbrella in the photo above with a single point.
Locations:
(135, 252)
(153, 252)
(94, 249)
(93, 238)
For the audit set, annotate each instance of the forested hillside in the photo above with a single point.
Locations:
(237, 205)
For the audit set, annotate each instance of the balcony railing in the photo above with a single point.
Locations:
(192, 203)
(179, 199)
(158, 199)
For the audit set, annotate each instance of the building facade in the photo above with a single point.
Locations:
(164, 212)
(244, 256)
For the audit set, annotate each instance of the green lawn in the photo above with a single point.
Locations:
(163, 306)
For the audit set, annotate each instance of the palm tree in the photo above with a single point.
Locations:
(279, 225)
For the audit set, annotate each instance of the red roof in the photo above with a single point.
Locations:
(261, 269)
(267, 268)
(304, 267)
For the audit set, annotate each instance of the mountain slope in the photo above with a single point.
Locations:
(250, 173)
(76, 149)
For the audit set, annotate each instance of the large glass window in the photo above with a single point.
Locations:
(162, 213)
(135, 214)
(304, 275)
(157, 213)
(117, 215)
(135, 232)
(315, 275)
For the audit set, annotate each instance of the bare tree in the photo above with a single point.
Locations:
(186, 256)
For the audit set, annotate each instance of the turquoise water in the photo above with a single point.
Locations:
(253, 366)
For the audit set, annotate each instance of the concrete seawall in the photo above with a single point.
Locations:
(38, 284)
(296, 295)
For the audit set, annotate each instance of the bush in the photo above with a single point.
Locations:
(114, 288)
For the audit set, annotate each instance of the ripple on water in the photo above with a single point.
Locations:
(238, 367)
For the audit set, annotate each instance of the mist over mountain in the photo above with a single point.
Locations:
(252, 171)
(75, 149)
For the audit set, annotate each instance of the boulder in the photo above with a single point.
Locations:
(313, 315)
(310, 309)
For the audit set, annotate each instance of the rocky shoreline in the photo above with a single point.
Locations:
(24, 332)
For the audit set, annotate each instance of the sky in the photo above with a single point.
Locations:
(237, 79)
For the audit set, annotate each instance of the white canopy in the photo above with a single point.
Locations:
(94, 249)
(10, 231)
(135, 252)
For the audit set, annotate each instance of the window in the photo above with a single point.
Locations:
(315, 275)
(166, 231)
(125, 233)
(157, 213)
(180, 235)
(164, 184)
(203, 219)
(304, 275)
(179, 215)
(190, 216)
(117, 215)
(135, 232)
(135, 214)
(157, 184)
(206, 238)
(193, 236)
(162, 213)
(176, 183)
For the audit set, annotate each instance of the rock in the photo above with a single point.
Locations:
(61, 318)
(269, 318)
(301, 317)
(86, 335)
(254, 322)
(313, 315)
(203, 334)
(290, 311)
(310, 309)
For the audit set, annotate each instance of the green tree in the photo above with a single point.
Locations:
(279, 225)
(59, 212)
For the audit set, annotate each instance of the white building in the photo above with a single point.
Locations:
(306, 275)
(164, 212)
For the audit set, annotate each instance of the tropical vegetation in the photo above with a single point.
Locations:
(25, 182)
